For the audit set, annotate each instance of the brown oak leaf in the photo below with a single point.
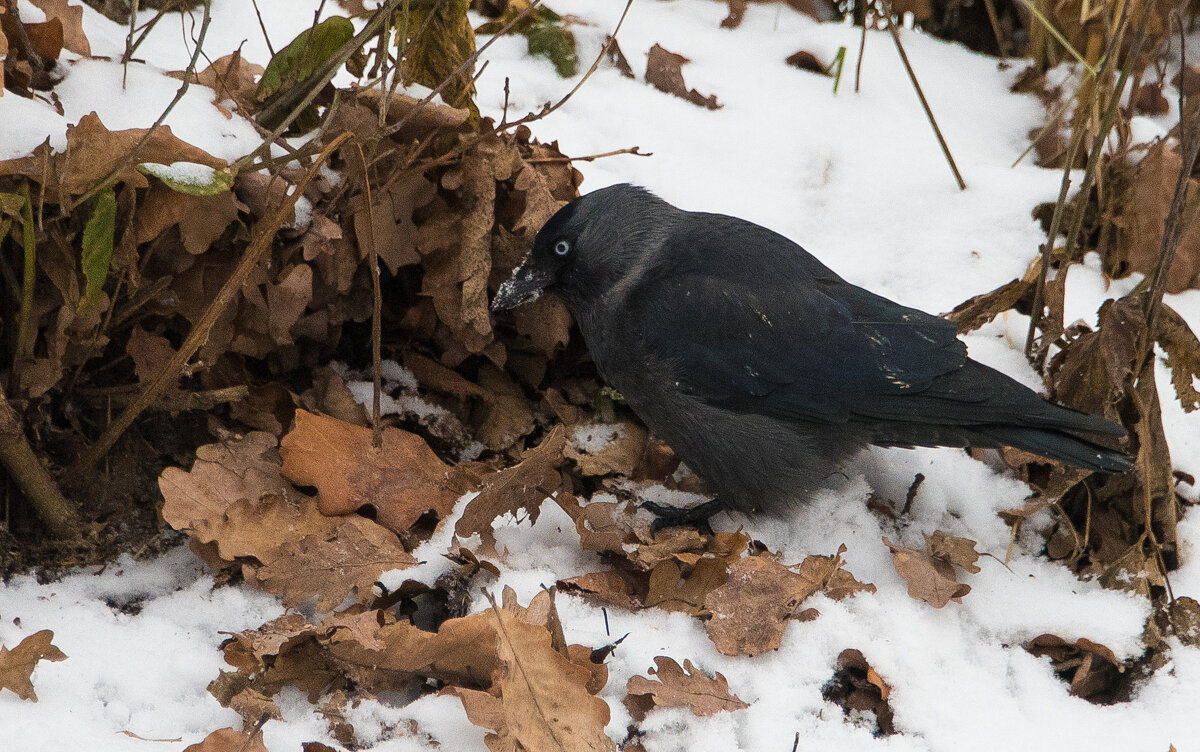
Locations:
(680, 687)
(17, 665)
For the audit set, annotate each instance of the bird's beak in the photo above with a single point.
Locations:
(524, 286)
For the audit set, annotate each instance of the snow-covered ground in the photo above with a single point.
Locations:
(859, 180)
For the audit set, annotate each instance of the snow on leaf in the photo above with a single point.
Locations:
(17, 665)
(402, 481)
(680, 687)
(93, 151)
(189, 178)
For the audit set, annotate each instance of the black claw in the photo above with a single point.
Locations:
(697, 516)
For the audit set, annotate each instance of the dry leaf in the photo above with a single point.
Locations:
(522, 486)
(686, 687)
(751, 611)
(607, 448)
(93, 151)
(228, 740)
(664, 72)
(1143, 214)
(1091, 668)
(150, 353)
(352, 559)
(856, 687)
(403, 481)
(71, 19)
(930, 577)
(17, 665)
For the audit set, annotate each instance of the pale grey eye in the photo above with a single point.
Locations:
(562, 247)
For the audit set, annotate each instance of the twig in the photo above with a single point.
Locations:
(376, 310)
(994, 19)
(631, 150)
(54, 510)
(131, 156)
(133, 11)
(23, 42)
(1037, 319)
(862, 48)
(1058, 36)
(263, 26)
(921, 95)
(263, 239)
(612, 39)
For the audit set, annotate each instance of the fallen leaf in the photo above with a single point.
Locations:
(228, 740)
(607, 448)
(150, 353)
(93, 152)
(71, 19)
(17, 665)
(805, 60)
(751, 611)
(664, 72)
(857, 688)
(1091, 668)
(523, 486)
(676, 687)
(330, 568)
(402, 481)
(930, 577)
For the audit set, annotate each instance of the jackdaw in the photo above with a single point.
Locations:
(763, 369)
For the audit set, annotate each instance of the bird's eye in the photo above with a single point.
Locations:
(562, 247)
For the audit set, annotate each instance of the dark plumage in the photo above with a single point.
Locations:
(762, 368)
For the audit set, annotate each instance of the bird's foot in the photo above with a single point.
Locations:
(697, 516)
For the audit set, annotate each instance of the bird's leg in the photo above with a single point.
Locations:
(696, 516)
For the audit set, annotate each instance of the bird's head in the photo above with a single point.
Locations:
(589, 246)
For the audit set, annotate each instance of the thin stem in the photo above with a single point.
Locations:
(924, 103)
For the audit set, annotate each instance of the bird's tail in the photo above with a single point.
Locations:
(1087, 450)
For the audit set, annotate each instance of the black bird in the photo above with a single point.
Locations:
(762, 368)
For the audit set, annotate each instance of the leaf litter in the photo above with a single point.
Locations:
(310, 510)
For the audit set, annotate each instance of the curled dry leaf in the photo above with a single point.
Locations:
(857, 687)
(1143, 214)
(664, 71)
(680, 687)
(17, 665)
(402, 481)
(1091, 668)
(979, 310)
(929, 573)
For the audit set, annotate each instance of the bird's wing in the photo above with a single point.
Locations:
(816, 348)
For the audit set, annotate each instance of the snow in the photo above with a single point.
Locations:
(859, 180)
